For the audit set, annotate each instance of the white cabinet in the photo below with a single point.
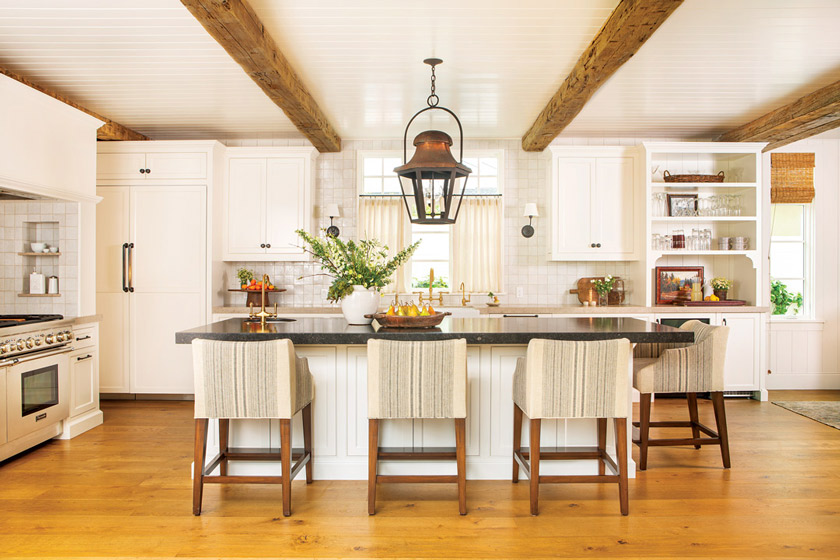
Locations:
(151, 282)
(84, 381)
(593, 203)
(267, 198)
(135, 166)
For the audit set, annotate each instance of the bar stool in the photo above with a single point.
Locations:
(692, 369)
(417, 380)
(236, 380)
(564, 379)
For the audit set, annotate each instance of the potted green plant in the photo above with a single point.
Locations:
(604, 287)
(721, 286)
(784, 300)
(359, 271)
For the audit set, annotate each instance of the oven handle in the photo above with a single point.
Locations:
(35, 356)
(124, 262)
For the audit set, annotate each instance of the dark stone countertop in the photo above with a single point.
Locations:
(483, 330)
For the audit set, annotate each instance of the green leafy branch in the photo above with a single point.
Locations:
(782, 299)
(364, 263)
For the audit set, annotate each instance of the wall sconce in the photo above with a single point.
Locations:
(332, 211)
(531, 212)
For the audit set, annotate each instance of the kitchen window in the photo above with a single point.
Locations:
(791, 253)
(438, 248)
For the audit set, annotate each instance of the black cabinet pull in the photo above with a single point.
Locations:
(80, 358)
(82, 338)
(124, 260)
(148, 170)
(598, 245)
(268, 245)
(262, 245)
(142, 171)
(592, 245)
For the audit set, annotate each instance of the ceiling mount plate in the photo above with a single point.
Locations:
(433, 61)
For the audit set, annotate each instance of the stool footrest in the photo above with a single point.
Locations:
(416, 453)
(523, 455)
(677, 441)
(573, 478)
(417, 478)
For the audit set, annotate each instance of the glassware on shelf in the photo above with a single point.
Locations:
(667, 243)
(696, 289)
(660, 204)
(723, 243)
(707, 240)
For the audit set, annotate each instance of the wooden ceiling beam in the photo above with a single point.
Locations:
(622, 35)
(109, 131)
(235, 26)
(809, 115)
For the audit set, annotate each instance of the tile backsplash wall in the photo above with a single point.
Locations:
(527, 268)
(55, 223)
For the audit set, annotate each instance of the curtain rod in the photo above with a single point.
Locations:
(371, 195)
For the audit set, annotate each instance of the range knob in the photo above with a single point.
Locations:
(50, 338)
(38, 340)
(5, 347)
(59, 337)
(30, 342)
(68, 335)
(20, 345)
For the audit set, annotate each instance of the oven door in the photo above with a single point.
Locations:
(37, 393)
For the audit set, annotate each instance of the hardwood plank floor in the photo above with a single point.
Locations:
(124, 490)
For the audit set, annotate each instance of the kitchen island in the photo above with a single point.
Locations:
(337, 359)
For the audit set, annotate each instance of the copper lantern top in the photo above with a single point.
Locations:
(433, 153)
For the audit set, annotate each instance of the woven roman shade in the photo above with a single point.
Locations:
(791, 178)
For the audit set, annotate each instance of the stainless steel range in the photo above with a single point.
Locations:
(34, 370)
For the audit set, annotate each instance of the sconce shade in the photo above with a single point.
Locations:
(531, 210)
(332, 211)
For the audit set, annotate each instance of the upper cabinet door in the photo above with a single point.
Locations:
(612, 201)
(176, 165)
(120, 166)
(572, 206)
(285, 205)
(594, 204)
(246, 207)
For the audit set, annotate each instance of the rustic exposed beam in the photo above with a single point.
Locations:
(108, 131)
(809, 115)
(625, 31)
(235, 26)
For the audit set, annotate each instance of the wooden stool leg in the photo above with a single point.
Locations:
(306, 414)
(644, 429)
(535, 466)
(517, 439)
(286, 464)
(461, 457)
(373, 459)
(602, 444)
(200, 455)
(693, 416)
(621, 451)
(224, 442)
(720, 419)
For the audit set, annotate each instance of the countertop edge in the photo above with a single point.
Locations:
(548, 310)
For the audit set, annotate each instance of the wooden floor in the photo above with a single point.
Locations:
(124, 490)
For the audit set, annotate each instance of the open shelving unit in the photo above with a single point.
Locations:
(741, 164)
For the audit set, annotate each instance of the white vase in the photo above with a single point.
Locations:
(363, 301)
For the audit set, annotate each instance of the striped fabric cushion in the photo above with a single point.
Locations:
(417, 379)
(249, 379)
(691, 369)
(566, 379)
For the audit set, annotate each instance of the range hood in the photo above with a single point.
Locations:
(10, 195)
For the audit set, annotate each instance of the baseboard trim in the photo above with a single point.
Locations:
(80, 424)
(794, 381)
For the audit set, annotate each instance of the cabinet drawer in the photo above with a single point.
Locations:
(120, 166)
(85, 337)
(175, 165)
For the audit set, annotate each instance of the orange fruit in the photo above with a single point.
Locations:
(244, 286)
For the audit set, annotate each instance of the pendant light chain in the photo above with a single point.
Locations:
(433, 99)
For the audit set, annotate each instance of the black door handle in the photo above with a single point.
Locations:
(130, 267)
(124, 260)
(80, 358)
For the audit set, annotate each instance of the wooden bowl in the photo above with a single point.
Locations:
(405, 322)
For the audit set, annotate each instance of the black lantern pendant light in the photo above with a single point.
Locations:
(433, 183)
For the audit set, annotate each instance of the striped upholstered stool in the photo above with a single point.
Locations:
(235, 380)
(417, 380)
(560, 379)
(697, 368)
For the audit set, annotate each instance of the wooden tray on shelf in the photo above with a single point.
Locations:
(721, 303)
(692, 178)
(405, 322)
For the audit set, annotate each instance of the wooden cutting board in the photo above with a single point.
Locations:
(586, 291)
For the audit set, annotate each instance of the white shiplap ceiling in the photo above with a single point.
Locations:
(149, 65)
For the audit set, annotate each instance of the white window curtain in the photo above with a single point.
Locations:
(477, 244)
(385, 219)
